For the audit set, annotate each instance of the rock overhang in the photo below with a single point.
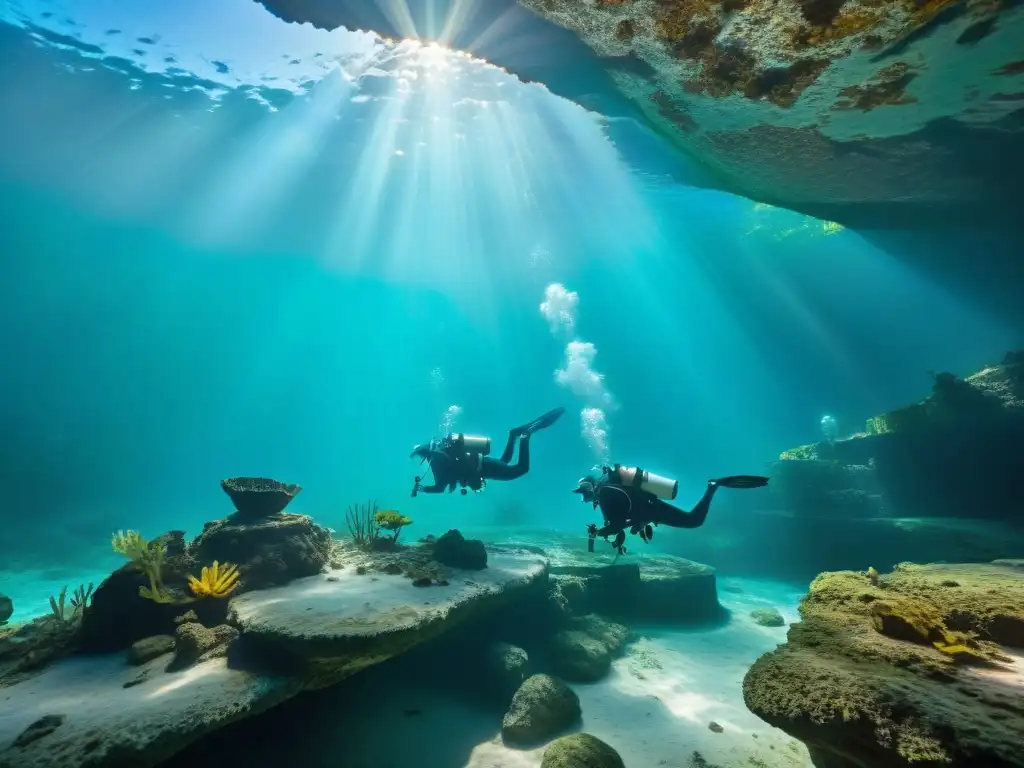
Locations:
(859, 112)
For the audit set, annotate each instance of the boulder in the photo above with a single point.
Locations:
(768, 617)
(584, 652)
(149, 648)
(6, 608)
(580, 750)
(269, 551)
(194, 642)
(334, 624)
(100, 711)
(506, 667)
(540, 709)
(455, 551)
(913, 669)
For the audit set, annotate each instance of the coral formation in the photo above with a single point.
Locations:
(256, 498)
(889, 675)
(216, 581)
(362, 523)
(542, 707)
(195, 643)
(580, 750)
(390, 520)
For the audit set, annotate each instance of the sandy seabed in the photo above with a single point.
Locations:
(655, 708)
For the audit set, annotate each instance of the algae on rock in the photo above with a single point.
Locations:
(862, 682)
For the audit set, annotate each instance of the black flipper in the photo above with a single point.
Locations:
(742, 481)
(543, 422)
(649, 531)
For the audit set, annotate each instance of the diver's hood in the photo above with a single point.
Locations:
(585, 486)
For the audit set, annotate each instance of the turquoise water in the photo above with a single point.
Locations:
(233, 246)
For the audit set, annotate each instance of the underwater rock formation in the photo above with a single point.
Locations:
(932, 458)
(269, 551)
(506, 667)
(584, 652)
(256, 498)
(580, 750)
(915, 668)
(335, 624)
(28, 648)
(149, 648)
(119, 709)
(541, 708)
(458, 552)
(861, 112)
(116, 714)
(6, 608)
(768, 617)
(660, 588)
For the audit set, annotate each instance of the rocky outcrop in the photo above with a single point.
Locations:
(269, 551)
(541, 708)
(857, 112)
(656, 588)
(6, 609)
(334, 624)
(919, 668)
(277, 642)
(580, 750)
(584, 652)
(955, 453)
(111, 713)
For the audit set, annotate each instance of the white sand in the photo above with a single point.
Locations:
(654, 721)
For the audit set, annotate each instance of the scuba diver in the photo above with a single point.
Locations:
(462, 459)
(632, 498)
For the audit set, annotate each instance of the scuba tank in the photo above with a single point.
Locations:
(471, 443)
(662, 487)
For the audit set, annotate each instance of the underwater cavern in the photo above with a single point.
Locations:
(275, 245)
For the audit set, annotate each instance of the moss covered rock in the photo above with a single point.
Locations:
(541, 708)
(908, 670)
(584, 652)
(580, 750)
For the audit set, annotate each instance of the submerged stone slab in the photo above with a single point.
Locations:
(649, 586)
(342, 621)
(102, 711)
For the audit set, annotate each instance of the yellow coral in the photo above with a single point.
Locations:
(216, 581)
(873, 576)
(390, 520)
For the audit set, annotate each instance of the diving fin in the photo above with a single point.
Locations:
(742, 481)
(543, 422)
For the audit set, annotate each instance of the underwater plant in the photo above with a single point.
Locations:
(57, 605)
(390, 520)
(362, 523)
(148, 557)
(216, 581)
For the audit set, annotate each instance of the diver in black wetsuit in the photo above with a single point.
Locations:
(629, 498)
(462, 460)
